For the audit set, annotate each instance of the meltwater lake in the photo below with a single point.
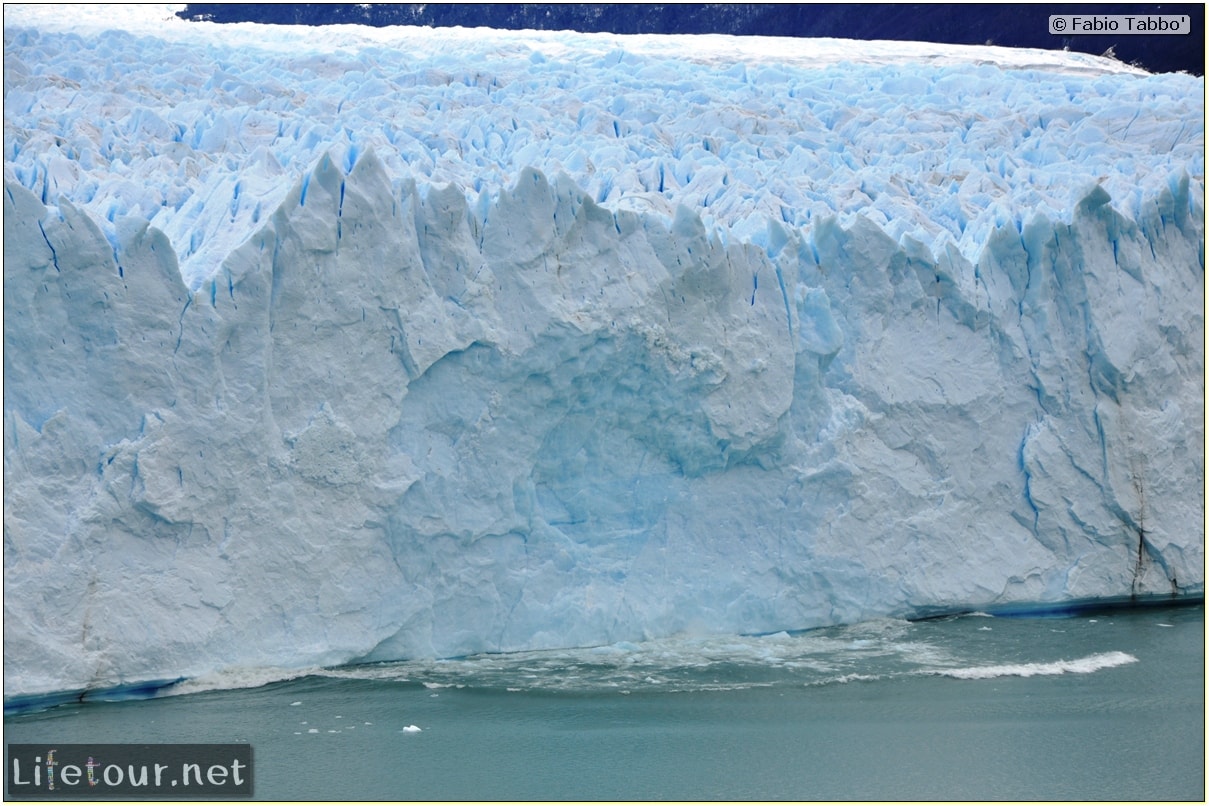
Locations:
(1095, 706)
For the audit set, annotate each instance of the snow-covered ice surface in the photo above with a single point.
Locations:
(326, 345)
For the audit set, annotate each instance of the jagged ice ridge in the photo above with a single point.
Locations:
(326, 346)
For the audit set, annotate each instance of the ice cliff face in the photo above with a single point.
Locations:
(589, 395)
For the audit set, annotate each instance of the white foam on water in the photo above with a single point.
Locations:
(862, 651)
(871, 651)
(1087, 665)
(849, 678)
(236, 678)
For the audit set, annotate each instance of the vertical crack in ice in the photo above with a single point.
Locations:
(785, 301)
(1029, 433)
(54, 256)
(181, 322)
(340, 212)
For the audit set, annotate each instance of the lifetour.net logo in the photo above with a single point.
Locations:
(75, 771)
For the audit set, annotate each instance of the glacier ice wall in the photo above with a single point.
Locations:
(787, 347)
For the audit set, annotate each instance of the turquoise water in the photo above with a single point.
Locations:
(1106, 706)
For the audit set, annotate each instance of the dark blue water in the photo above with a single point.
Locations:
(1089, 707)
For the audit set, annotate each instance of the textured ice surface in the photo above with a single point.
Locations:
(402, 343)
